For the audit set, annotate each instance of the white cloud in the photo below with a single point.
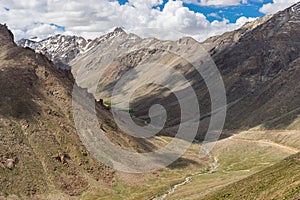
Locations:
(92, 18)
(216, 2)
(215, 15)
(276, 5)
(44, 30)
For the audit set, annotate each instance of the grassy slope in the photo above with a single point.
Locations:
(239, 157)
(145, 186)
(281, 181)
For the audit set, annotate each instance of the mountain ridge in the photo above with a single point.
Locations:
(62, 49)
(245, 72)
(41, 154)
(255, 61)
(259, 64)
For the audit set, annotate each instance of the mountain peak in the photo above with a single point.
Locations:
(119, 30)
(6, 35)
(35, 39)
(296, 7)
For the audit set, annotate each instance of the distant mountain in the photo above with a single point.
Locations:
(62, 49)
(259, 64)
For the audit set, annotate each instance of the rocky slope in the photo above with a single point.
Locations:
(221, 42)
(41, 155)
(60, 49)
(261, 68)
(102, 70)
(40, 151)
(259, 65)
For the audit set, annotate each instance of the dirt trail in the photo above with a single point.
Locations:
(292, 150)
(214, 167)
(287, 148)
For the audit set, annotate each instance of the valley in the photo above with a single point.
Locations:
(240, 156)
(230, 102)
(231, 160)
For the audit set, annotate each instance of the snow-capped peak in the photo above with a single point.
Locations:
(61, 49)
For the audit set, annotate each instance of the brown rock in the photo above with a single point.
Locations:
(10, 164)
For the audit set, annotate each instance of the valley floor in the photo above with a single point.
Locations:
(240, 156)
(191, 177)
(194, 177)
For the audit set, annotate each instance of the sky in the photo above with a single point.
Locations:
(163, 19)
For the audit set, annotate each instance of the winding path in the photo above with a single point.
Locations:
(214, 167)
(267, 142)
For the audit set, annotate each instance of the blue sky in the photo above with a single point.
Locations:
(232, 13)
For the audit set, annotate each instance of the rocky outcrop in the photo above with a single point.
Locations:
(6, 37)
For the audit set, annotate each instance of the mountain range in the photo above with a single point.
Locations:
(43, 157)
(254, 61)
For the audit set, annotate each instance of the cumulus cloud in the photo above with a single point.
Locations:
(276, 5)
(215, 15)
(44, 30)
(216, 2)
(92, 18)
